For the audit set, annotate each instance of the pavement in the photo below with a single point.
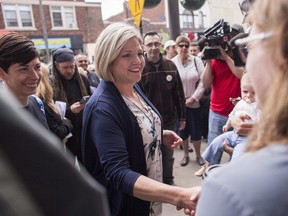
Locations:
(184, 177)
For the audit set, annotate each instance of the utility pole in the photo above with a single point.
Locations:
(44, 28)
(173, 18)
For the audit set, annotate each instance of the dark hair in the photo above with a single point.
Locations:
(16, 48)
(63, 54)
(150, 33)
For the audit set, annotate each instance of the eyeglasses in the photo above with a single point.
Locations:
(241, 50)
(156, 44)
(184, 45)
(260, 36)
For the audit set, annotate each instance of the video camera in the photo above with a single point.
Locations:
(218, 34)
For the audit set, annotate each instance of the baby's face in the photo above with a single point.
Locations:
(247, 92)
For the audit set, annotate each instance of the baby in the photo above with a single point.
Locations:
(230, 139)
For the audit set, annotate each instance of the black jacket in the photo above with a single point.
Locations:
(162, 84)
(73, 94)
(60, 127)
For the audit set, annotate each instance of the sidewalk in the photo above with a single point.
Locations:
(184, 177)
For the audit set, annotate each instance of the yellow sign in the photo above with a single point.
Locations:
(136, 7)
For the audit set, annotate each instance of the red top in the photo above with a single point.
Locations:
(225, 85)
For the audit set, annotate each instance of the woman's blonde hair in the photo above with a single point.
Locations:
(109, 45)
(271, 16)
(45, 90)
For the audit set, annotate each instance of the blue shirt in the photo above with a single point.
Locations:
(253, 184)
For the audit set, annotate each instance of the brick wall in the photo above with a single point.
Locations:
(89, 22)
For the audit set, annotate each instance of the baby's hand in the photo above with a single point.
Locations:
(225, 128)
(234, 100)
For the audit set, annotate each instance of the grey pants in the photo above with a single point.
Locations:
(168, 159)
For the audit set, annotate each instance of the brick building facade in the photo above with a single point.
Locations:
(73, 23)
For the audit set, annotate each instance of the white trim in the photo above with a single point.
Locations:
(21, 28)
(64, 29)
(51, 2)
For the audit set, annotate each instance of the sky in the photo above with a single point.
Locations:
(109, 7)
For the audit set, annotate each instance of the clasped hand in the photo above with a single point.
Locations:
(189, 102)
(194, 194)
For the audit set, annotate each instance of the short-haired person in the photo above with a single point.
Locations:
(162, 85)
(194, 48)
(170, 49)
(190, 69)
(20, 70)
(123, 134)
(69, 86)
(255, 183)
(82, 62)
(224, 79)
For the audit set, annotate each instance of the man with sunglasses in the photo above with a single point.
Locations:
(162, 85)
(224, 78)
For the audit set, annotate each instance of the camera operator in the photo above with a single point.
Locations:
(223, 77)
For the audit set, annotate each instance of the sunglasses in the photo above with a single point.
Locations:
(183, 45)
(240, 52)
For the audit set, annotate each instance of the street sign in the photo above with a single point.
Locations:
(136, 8)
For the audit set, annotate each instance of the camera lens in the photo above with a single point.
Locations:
(211, 53)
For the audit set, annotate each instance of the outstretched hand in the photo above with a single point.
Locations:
(194, 197)
(171, 139)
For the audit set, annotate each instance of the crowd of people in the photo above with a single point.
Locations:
(123, 116)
